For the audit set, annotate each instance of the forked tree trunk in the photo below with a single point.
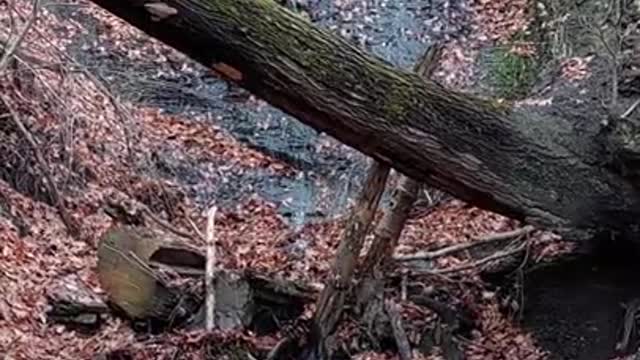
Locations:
(332, 299)
(529, 167)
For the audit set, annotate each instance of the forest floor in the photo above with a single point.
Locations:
(97, 145)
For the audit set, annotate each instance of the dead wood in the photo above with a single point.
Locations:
(452, 250)
(142, 270)
(70, 223)
(209, 276)
(332, 299)
(393, 311)
(370, 290)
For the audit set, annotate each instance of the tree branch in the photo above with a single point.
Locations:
(17, 40)
(210, 270)
(393, 311)
(72, 227)
(331, 301)
(432, 255)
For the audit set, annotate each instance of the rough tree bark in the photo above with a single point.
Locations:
(390, 227)
(528, 166)
(370, 290)
(332, 299)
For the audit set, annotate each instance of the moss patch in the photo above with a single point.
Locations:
(512, 73)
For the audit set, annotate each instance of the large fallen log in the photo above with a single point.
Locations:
(528, 166)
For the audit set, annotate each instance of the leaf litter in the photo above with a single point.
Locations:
(97, 145)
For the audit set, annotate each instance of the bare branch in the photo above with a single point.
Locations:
(17, 40)
(432, 255)
(210, 270)
(404, 349)
(195, 229)
(512, 250)
(123, 113)
(168, 226)
(53, 189)
(476, 264)
(330, 303)
(631, 109)
(631, 310)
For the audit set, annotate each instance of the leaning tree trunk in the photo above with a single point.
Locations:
(331, 301)
(526, 166)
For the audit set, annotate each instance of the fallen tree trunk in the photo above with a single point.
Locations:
(527, 166)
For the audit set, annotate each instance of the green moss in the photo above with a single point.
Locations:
(512, 74)
(395, 101)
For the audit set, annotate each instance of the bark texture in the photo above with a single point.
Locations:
(526, 166)
(332, 299)
(390, 227)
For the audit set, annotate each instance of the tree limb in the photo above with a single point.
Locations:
(17, 40)
(331, 301)
(72, 227)
(432, 255)
(209, 277)
(404, 349)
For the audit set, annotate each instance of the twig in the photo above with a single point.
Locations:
(631, 309)
(403, 285)
(497, 256)
(630, 109)
(195, 229)
(168, 226)
(53, 189)
(210, 270)
(614, 52)
(15, 43)
(520, 272)
(120, 109)
(404, 349)
(432, 255)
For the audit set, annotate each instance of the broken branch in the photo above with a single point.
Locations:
(432, 255)
(51, 185)
(210, 270)
(333, 297)
(16, 41)
(404, 349)
(494, 257)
